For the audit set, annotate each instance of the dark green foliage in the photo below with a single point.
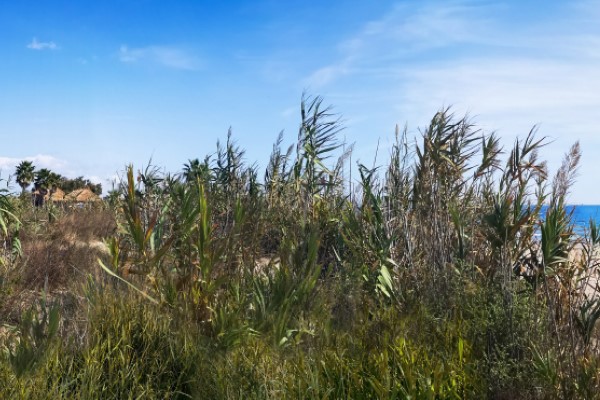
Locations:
(25, 174)
(69, 185)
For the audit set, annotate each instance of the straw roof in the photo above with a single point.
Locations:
(58, 195)
(82, 195)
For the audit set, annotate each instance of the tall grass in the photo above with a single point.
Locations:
(214, 284)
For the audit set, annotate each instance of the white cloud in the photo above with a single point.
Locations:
(325, 75)
(402, 33)
(63, 167)
(289, 112)
(97, 179)
(511, 95)
(474, 57)
(171, 57)
(35, 45)
(47, 161)
(8, 164)
(551, 88)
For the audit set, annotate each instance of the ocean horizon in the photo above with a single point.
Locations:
(582, 214)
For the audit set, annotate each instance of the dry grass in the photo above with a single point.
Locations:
(67, 251)
(59, 258)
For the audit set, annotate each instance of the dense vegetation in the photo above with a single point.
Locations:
(45, 179)
(215, 283)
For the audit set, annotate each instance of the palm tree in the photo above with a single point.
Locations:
(25, 174)
(46, 182)
(194, 170)
(41, 178)
(46, 179)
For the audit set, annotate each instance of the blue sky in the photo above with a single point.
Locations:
(90, 86)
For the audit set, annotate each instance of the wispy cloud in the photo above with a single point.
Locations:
(327, 74)
(8, 164)
(405, 31)
(513, 94)
(289, 112)
(477, 58)
(167, 56)
(37, 45)
(507, 90)
(63, 167)
(97, 179)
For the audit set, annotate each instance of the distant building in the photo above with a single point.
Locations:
(82, 196)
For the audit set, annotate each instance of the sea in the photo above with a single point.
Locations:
(582, 214)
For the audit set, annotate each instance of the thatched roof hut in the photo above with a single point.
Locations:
(82, 196)
(57, 195)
